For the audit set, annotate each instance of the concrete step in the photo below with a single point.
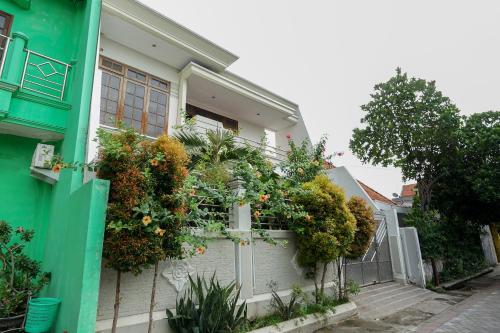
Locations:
(393, 307)
(376, 287)
(396, 295)
(381, 293)
(381, 300)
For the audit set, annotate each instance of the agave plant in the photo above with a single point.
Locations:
(208, 308)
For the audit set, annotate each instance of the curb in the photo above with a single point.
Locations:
(453, 284)
(312, 322)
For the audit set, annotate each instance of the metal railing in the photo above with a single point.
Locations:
(4, 47)
(209, 211)
(44, 75)
(274, 153)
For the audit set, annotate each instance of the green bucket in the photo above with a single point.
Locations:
(41, 314)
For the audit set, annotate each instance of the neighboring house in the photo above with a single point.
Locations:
(392, 253)
(152, 72)
(47, 61)
(408, 192)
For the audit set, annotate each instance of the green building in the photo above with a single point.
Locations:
(47, 61)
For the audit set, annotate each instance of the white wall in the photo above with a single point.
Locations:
(270, 263)
(346, 181)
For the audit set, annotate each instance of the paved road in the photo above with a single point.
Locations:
(480, 313)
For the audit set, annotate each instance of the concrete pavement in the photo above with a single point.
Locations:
(456, 311)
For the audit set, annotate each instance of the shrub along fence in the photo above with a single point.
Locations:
(253, 264)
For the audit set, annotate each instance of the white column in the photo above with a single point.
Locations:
(241, 223)
(182, 100)
(395, 246)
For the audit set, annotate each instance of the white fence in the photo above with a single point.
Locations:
(253, 266)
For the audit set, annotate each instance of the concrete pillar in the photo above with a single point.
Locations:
(241, 222)
(395, 246)
(488, 246)
(182, 101)
(15, 58)
(412, 256)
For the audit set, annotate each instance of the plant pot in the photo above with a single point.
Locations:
(11, 323)
(42, 313)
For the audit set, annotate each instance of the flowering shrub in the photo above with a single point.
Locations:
(304, 161)
(145, 222)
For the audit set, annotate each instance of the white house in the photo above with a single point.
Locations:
(153, 70)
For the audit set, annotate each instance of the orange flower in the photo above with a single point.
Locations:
(256, 214)
(264, 197)
(146, 220)
(200, 250)
(308, 218)
(57, 168)
(243, 242)
(154, 162)
(160, 231)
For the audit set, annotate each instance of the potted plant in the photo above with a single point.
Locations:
(20, 277)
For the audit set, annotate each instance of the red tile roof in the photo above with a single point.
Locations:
(409, 190)
(374, 195)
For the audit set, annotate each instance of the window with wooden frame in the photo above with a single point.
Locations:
(134, 98)
(5, 25)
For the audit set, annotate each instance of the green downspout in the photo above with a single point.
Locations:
(14, 64)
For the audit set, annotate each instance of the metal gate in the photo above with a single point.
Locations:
(375, 266)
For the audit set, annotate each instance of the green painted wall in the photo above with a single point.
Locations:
(68, 216)
(73, 255)
(24, 201)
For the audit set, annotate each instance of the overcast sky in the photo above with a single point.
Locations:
(327, 55)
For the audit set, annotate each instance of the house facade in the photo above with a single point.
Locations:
(153, 72)
(47, 61)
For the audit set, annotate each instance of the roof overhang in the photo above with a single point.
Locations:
(238, 97)
(139, 27)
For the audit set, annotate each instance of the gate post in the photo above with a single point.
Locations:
(241, 222)
(395, 246)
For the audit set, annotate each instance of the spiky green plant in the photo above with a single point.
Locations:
(208, 308)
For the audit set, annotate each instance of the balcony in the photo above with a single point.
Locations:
(32, 91)
(273, 153)
(231, 102)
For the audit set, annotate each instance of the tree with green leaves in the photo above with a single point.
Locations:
(411, 125)
(431, 234)
(470, 190)
(326, 232)
(365, 226)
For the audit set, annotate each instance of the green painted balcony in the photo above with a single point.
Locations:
(32, 90)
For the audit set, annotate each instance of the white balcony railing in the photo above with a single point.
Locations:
(4, 47)
(44, 75)
(275, 154)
